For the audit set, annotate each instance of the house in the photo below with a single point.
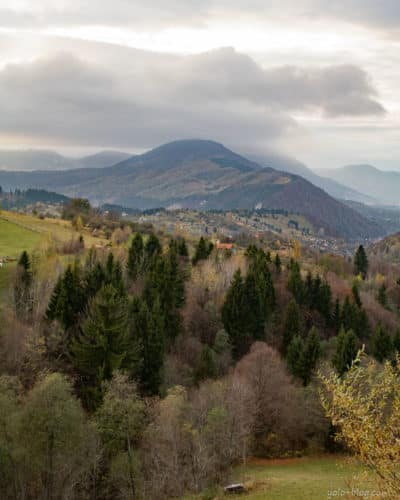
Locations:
(224, 246)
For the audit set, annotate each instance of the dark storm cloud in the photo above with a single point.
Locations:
(220, 94)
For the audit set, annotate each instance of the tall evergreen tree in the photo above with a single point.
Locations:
(346, 351)
(396, 341)
(152, 249)
(23, 286)
(336, 316)
(382, 345)
(311, 353)
(147, 331)
(202, 250)
(233, 316)
(277, 263)
(135, 257)
(101, 346)
(295, 283)
(361, 262)
(292, 324)
(295, 356)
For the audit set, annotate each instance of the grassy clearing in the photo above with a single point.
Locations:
(307, 478)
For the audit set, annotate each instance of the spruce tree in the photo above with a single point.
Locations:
(361, 263)
(294, 356)
(382, 345)
(182, 248)
(356, 295)
(336, 316)
(292, 324)
(346, 351)
(135, 257)
(101, 346)
(278, 263)
(202, 250)
(233, 318)
(295, 283)
(152, 249)
(23, 287)
(396, 341)
(206, 365)
(147, 334)
(311, 353)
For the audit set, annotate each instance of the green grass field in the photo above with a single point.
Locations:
(307, 478)
(13, 240)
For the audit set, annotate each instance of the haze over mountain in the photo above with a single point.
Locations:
(199, 174)
(29, 160)
(332, 187)
(382, 185)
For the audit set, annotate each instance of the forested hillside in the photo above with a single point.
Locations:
(144, 365)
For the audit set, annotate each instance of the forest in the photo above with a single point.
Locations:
(151, 366)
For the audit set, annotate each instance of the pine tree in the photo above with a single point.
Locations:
(147, 334)
(361, 263)
(292, 324)
(23, 287)
(278, 263)
(346, 351)
(311, 353)
(295, 283)
(233, 317)
(182, 248)
(382, 345)
(135, 257)
(152, 249)
(202, 250)
(336, 316)
(101, 346)
(294, 357)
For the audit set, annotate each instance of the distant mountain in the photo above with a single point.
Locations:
(200, 174)
(382, 185)
(331, 186)
(49, 160)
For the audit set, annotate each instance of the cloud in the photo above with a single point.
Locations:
(142, 16)
(221, 94)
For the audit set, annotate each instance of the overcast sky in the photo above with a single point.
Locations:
(318, 80)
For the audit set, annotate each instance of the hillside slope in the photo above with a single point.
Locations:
(382, 185)
(200, 174)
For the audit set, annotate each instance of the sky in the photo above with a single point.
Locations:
(317, 80)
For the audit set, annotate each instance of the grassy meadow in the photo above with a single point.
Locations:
(306, 478)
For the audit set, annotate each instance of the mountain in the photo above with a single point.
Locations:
(331, 186)
(49, 160)
(382, 185)
(200, 174)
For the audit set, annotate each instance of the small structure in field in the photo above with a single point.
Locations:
(235, 489)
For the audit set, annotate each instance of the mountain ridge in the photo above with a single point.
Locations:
(200, 174)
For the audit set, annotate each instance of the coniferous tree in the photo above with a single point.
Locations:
(346, 351)
(278, 263)
(23, 286)
(292, 324)
(135, 257)
(311, 353)
(356, 295)
(202, 250)
(361, 262)
(152, 249)
(182, 248)
(336, 316)
(101, 346)
(295, 283)
(382, 345)
(147, 334)
(295, 356)
(233, 317)
(206, 366)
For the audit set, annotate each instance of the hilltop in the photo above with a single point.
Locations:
(203, 175)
